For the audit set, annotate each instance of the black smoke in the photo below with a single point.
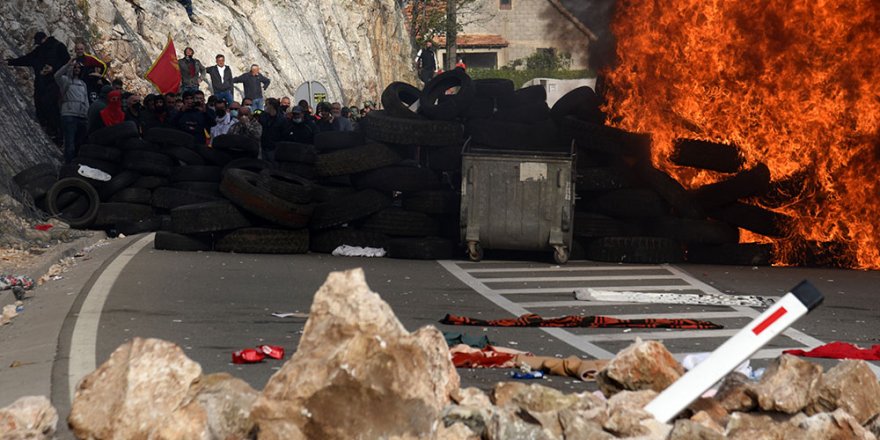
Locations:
(597, 16)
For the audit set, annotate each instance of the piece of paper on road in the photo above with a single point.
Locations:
(590, 294)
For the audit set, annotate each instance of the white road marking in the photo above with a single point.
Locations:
(83, 350)
(596, 278)
(660, 335)
(562, 269)
(571, 289)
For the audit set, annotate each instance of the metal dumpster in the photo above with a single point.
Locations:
(517, 200)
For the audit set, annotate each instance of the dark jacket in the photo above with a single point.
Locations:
(187, 78)
(94, 114)
(253, 84)
(303, 132)
(194, 122)
(150, 119)
(220, 84)
(273, 130)
(51, 52)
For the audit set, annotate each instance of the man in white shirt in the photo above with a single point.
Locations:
(224, 119)
(221, 79)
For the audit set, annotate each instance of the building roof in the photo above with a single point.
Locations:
(574, 20)
(474, 40)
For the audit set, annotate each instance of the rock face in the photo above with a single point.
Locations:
(357, 370)
(641, 366)
(133, 392)
(30, 417)
(353, 47)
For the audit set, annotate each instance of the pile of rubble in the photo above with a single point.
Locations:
(357, 373)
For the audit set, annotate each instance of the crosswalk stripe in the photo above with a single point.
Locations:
(594, 278)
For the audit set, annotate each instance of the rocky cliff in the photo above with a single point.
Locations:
(353, 47)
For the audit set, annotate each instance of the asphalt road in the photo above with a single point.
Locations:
(213, 304)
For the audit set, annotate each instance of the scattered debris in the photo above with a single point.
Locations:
(840, 350)
(704, 299)
(533, 320)
(290, 315)
(358, 251)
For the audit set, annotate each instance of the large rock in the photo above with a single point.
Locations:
(736, 394)
(745, 426)
(357, 372)
(644, 365)
(218, 407)
(29, 417)
(686, 429)
(134, 392)
(837, 425)
(851, 386)
(789, 385)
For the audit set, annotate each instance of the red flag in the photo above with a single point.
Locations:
(165, 72)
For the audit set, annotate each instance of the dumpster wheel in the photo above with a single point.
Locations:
(475, 251)
(560, 254)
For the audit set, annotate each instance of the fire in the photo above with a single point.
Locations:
(794, 84)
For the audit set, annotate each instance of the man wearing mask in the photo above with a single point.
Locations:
(273, 123)
(113, 114)
(223, 120)
(94, 116)
(193, 118)
(254, 83)
(134, 109)
(324, 118)
(45, 59)
(285, 104)
(299, 128)
(191, 71)
(154, 114)
(74, 106)
(221, 79)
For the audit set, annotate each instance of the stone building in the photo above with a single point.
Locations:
(498, 32)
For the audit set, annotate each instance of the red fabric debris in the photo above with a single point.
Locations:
(533, 320)
(464, 356)
(43, 226)
(273, 351)
(840, 350)
(247, 356)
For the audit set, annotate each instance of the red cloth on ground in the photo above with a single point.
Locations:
(840, 350)
(464, 356)
(113, 114)
(533, 320)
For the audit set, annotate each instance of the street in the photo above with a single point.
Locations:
(213, 304)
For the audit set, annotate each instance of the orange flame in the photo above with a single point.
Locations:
(793, 83)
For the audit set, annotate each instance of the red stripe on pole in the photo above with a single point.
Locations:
(769, 321)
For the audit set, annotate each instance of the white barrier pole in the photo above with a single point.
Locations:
(793, 305)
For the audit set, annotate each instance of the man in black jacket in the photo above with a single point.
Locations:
(193, 119)
(191, 71)
(221, 80)
(45, 59)
(299, 129)
(274, 125)
(254, 83)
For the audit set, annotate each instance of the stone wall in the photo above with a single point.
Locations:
(530, 25)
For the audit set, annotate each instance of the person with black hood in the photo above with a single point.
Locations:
(45, 59)
(154, 113)
(74, 106)
(191, 71)
(94, 113)
(274, 125)
(193, 118)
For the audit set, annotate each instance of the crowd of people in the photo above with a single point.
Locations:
(74, 97)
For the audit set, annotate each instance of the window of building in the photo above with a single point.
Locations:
(505, 4)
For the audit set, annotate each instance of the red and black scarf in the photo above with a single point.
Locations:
(533, 320)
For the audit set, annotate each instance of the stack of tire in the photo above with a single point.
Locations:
(630, 211)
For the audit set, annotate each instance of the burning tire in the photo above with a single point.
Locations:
(207, 217)
(398, 98)
(348, 208)
(385, 128)
(671, 191)
(752, 182)
(693, 231)
(645, 250)
(355, 160)
(436, 104)
(170, 241)
(605, 139)
(706, 155)
(327, 241)
(264, 241)
(753, 218)
(581, 103)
